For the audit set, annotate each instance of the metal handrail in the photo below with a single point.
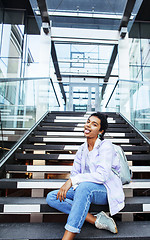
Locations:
(136, 129)
(16, 146)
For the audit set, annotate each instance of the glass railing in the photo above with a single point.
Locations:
(132, 99)
(22, 103)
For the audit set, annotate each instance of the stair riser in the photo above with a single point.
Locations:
(44, 208)
(80, 140)
(70, 157)
(31, 147)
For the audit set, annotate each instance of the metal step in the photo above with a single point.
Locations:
(45, 156)
(49, 120)
(58, 168)
(135, 157)
(70, 113)
(59, 147)
(81, 125)
(45, 147)
(16, 183)
(81, 140)
(39, 205)
(139, 157)
(33, 168)
(81, 134)
(54, 231)
(78, 129)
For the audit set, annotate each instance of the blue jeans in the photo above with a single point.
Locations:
(77, 203)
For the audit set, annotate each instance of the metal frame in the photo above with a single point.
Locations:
(127, 13)
(82, 14)
(83, 75)
(110, 67)
(56, 66)
(112, 93)
(44, 14)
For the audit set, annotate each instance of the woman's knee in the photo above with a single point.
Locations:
(83, 189)
(83, 185)
(51, 197)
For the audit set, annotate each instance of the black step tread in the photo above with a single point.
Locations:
(51, 120)
(138, 157)
(15, 168)
(42, 200)
(79, 114)
(61, 147)
(24, 168)
(71, 129)
(40, 139)
(12, 183)
(72, 113)
(56, 156)
(78, 118)
(139, 230)
(44, 147)
(70, 124)
(136, 148)
(44, 133)
(134, 204)
(66, 113)
(39, 156)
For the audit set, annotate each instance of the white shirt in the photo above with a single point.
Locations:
(100, 161)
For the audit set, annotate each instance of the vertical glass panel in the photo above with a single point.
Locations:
(128, 96)
(31, 55)
(11, 50)
(21, 98)
(140, 92)
(135, 60)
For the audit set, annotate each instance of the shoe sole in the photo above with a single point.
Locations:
(112, 221)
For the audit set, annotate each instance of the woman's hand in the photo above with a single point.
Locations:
(63, 190)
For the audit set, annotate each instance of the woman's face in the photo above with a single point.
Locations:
(92, 127)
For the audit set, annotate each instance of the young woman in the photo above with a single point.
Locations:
(91, 181)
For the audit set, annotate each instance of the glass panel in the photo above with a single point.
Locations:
(128, 99)
(83, 59)
(88, 5)
(11, 51)
(140, 93)
(24, 95)
(22, 103)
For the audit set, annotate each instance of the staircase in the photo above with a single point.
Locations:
(41, 161)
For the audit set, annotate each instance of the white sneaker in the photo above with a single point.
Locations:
(103, 221)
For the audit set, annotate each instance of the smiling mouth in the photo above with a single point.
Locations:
(87, 131)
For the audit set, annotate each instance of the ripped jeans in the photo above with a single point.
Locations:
(77, 203)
